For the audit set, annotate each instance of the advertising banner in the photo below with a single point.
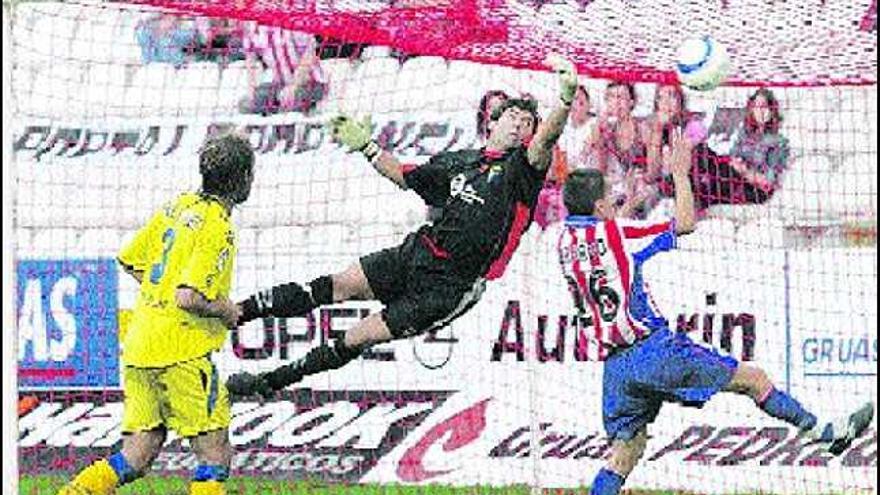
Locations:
(67, 323)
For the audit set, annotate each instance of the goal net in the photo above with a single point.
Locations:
(110, 102)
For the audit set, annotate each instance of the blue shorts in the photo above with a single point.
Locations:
(665, 367)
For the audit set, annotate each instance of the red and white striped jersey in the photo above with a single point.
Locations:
(602, 263)
(280, 49)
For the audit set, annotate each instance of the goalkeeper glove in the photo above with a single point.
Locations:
(568, 78)
(355, 135)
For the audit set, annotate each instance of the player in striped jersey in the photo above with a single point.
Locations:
(647, 364)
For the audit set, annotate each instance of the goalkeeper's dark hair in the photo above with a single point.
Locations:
(583, 188)
(483, 114)
(525, 104)
(226, 162)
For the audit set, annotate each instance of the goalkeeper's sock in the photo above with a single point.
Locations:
(321, 358)
(785, 407)
(607, 482)
(208, 480)
(102, 477)
(287, 300)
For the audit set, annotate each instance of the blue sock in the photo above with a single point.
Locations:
(783, 406)
(123, 469)
(607, 483)
(207, 472)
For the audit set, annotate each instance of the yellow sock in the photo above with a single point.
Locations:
(211, 487)
(97, 479)
(71, 489)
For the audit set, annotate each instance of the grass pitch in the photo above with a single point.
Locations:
(159, 485)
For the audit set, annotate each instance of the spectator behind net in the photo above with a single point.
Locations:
(760, 154)
(616, 148)
(753, 170)
(221, 40)
(284, 70)
(167, 38)
(580, 121)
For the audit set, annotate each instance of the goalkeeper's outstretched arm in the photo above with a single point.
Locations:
(540, 150)
(389, 166)
(355, 135)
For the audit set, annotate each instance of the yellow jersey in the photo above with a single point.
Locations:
(190, 242)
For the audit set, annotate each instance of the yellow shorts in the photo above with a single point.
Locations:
(188, 398)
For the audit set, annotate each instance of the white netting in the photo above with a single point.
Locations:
(101, 139)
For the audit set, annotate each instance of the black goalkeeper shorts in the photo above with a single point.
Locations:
(420, 291)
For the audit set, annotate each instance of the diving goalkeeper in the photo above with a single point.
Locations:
(488, 197)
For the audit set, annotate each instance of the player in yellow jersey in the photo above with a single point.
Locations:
(183, 260)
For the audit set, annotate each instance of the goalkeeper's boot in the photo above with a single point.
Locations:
(248, 384)
(847, 430)
(321, 358)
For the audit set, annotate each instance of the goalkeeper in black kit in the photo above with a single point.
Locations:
(438, 272)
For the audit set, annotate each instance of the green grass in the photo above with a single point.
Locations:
(157, 485)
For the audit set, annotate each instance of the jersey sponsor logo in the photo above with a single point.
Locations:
(340, 434)
(67, 325)
(582, 252)
(459, 188)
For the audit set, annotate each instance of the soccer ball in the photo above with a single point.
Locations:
(701, 63)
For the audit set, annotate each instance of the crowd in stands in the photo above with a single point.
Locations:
(636, 154)
(284, 69)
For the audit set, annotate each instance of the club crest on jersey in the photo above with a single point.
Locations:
(495, 170)
(459, 188)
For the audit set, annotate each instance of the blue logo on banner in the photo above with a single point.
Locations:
(67, 323)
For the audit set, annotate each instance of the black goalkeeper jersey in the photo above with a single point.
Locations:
(487, 202)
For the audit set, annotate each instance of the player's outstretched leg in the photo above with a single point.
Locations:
(287, 300)
(371, 330)
(840, 433)
(292, 299)
(625, 454)
(125, 466)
